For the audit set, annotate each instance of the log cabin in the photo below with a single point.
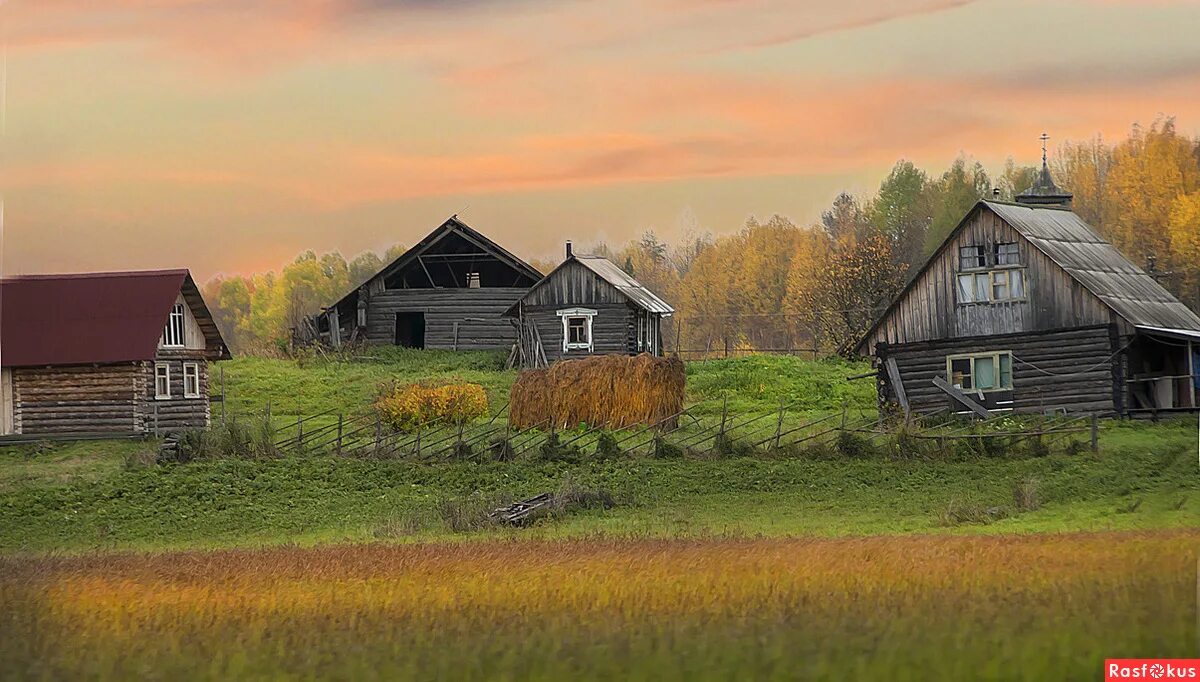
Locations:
(104, 354)
(448, 291)
(587, 306)
(1025, 308)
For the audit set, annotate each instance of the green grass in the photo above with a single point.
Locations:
(1144, 477)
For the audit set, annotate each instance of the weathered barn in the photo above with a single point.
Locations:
(104, 353)
(587, 306)
(1024, 307)
(449, 291)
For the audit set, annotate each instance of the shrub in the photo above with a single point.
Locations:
(1025, 495)
(501, 449)
(553, 450)
(665, 450)
(240, 438)
(959, 512)
(407, 407)
(854, 446)
(607, 446)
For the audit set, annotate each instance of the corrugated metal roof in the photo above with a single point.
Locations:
(1096, 264)
(85, 318)
(626, 284)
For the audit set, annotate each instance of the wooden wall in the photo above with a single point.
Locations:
(929, 309)
(1070, 369)
(77, 399)
(574, 285)
(477, 313)
(177, 412)
(613, 330)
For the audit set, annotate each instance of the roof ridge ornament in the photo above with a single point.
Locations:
(1044, 192)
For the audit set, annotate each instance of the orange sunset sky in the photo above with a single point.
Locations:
(228, 135)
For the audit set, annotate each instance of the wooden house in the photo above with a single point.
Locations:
(587, 306)
(449, 291)
(115, 353)
(1025, 308)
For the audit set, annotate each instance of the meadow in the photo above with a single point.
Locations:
(901, 608)
(813, 563)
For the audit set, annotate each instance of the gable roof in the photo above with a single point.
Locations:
(1096, 264)
(94, 317)
(452, 225)
(622, 281)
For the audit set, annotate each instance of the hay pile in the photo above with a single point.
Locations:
(608, 391)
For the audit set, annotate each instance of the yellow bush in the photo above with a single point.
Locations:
(407, 407)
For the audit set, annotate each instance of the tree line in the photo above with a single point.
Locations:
(775, 285)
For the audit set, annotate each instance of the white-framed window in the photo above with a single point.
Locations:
(173, 334)
(981, 372)
(191, 380)
(162, 380)
(994, 286)
(577, 329)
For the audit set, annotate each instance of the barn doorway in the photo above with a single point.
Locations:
(410, 330)
(6, 402)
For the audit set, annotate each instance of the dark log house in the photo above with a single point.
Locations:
(587, 306)
(1025, 308)
(447, 292)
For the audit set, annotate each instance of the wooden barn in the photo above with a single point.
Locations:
(587, 306)
(117, 353)
(449, 291)
(1025, 308)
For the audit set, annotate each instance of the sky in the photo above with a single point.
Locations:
(227, 136)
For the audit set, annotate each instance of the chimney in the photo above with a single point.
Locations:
(568, 248)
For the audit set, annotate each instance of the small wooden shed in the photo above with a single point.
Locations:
(587, 306)
(104, 354)
(449, 291)
(1026, 308)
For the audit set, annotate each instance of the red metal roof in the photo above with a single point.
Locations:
(85, 318)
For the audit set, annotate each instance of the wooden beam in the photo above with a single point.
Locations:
(961, 397)
(893, 372)
(426, 269)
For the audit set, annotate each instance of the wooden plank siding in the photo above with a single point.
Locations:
(574, 285)
(929, 308)
(477, 313)
(1077, 370)
(613, 330)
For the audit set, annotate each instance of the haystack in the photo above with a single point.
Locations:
(608, 391)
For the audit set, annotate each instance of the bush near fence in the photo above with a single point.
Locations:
(409, 406)
(610, 391)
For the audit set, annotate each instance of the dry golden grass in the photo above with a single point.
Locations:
(610, 391)
(1018, 607)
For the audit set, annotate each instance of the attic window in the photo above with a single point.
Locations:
(472, 280)
(1007, 254)
(173, 334)
(972, 257)
(577, 329)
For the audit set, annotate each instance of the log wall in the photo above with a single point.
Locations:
(177, 412)
(477, 312)
(77, 399)
(613, 330)
(1077, 370)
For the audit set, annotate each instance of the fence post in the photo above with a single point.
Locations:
(299, 433)
(338, 447)
(418, 451)
(724, 413)
(458, 442)
(378, 433)
(1095, 433)
(779, 425)
(224, 405)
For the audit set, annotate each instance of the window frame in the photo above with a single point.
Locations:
(990, 298)
(584, 314)
(165, 377)
(979, 256)
(195, 375)
(1014, 254)
(178, 314)
(997, 369)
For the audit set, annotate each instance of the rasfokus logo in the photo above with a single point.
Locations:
(1151, 669)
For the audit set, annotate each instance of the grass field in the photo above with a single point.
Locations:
(912, 608)
(790, 565)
